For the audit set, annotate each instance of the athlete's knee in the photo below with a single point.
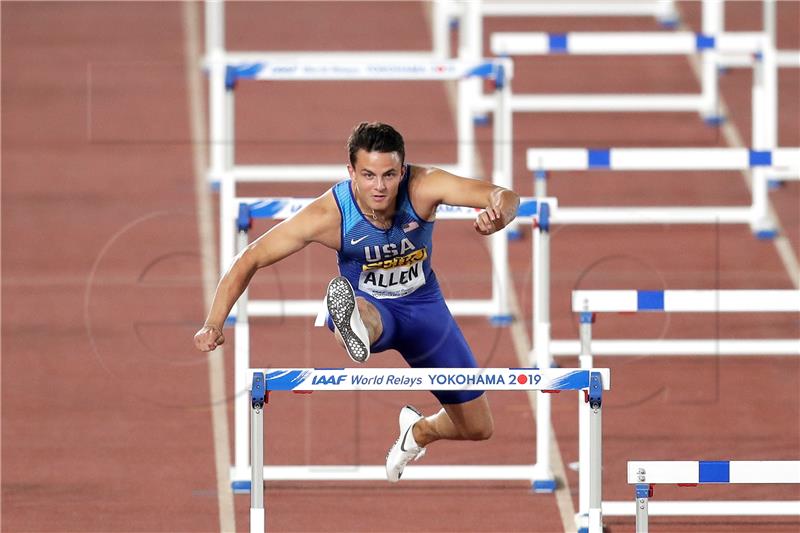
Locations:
(481, 430)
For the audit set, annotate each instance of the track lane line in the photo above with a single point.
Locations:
(208, 252)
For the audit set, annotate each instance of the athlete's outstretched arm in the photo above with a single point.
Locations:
(435, 186)
(317, 222)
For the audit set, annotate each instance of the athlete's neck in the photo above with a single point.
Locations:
(379, 217)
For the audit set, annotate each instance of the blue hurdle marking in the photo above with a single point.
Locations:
(660, 159)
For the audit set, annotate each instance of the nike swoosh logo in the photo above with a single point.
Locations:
(353, 242)
(403, 442)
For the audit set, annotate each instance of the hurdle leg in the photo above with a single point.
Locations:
(584, 421)
(241, 364)
(712, 24)
(257, 402)
(643, 493)
(543, 478)
(595, 413)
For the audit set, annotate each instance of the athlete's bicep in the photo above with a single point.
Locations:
(440, 187)
(278, 243)
(314, 223)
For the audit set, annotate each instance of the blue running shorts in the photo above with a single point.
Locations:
(426, 335)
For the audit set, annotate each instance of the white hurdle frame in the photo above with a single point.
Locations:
(325, 68)
(645, 474)
(548, 212)
(588, 302)
(591, 381)
(282, 208)
(709, 44)
(787, 160)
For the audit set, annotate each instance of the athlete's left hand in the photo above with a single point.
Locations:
(489, 221)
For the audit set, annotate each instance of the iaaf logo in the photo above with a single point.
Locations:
(328, 380)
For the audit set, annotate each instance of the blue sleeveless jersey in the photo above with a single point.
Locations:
(390, 263)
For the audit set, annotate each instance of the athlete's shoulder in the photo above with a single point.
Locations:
(425, 185)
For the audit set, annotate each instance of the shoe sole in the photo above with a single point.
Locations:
(341, 303)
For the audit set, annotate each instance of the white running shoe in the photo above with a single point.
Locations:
(343, 310)
(403, 451)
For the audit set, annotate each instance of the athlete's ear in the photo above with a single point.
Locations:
(351, 171)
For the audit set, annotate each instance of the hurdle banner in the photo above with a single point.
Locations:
(645, 474)
(264, 381)
(588, 302)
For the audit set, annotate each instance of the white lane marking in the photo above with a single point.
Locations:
(205, 223)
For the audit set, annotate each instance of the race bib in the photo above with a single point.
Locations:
(392, 282)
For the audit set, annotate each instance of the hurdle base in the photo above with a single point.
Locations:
(714, 120)
(514, 234)
(766, 234)
(481, 120)
(705, 508)
(501, 320)
(544, 486)
(670, 23)
(774, 185)
(241, 487)
(378, 473)
(214, 185)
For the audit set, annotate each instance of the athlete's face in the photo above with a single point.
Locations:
(376, 177)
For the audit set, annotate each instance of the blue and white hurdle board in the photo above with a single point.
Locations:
(645, 474)
(264, 381)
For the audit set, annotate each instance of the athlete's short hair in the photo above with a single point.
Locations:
(375, 137)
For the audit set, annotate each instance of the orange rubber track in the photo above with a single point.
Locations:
(106, 424)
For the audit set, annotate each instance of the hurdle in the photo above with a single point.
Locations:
(709, 45)
(542, 212)
(471, 13)
(592, 382)
(589, 302)
(283, 208)
(543, 160)
(319, 68)
(646, 474)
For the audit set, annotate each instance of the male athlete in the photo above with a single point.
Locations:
(387, 297)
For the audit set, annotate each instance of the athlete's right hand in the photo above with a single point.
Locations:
(208, 338)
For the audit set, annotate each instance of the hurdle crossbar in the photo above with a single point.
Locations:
(759, 162)
(662, 159)
(624, 43)
(687, 301)
(265, 381)
(645, 474)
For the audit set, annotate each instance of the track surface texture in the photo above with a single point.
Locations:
(106, 416)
